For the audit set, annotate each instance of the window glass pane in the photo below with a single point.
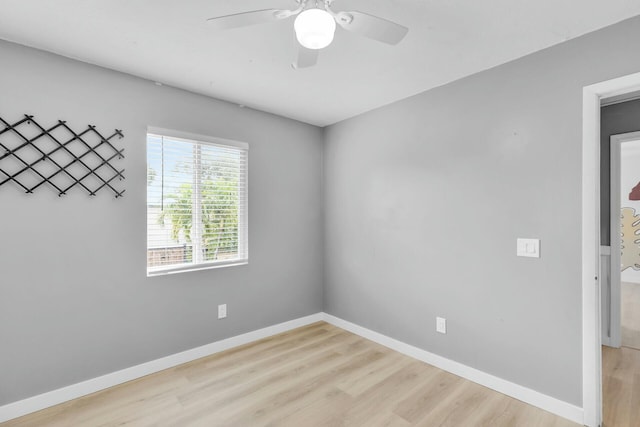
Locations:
(221, 177)
(196, 203)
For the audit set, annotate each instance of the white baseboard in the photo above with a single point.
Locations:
(51, 398)
(524, 394)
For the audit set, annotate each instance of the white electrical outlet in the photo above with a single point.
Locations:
(222, 311)
(441, 325)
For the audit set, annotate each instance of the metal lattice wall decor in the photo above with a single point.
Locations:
(58, 156)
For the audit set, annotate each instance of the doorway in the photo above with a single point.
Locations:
(619, 120)
(621, 316)
(593, 97)
(621, 292)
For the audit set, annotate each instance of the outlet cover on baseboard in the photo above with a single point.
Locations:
(441, 325)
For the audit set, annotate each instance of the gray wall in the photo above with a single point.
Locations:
(75, 301)
(425, 198)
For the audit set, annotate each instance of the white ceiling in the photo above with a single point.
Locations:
(169, 41)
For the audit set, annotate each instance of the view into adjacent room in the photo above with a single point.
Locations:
(630, 234)
(621, 251)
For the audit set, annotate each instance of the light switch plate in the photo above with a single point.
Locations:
(528, 248)
(441, 325)
(222, 311)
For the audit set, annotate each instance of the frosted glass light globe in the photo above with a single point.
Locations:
(314, 28)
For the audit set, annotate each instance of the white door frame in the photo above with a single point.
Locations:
(591, 335)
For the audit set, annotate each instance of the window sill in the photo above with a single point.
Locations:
(163, 271)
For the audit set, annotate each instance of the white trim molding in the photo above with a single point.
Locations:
(74, 391)
(524, 394)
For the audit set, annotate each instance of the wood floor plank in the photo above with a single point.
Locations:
(383, 368)
(387, 419)
(222, 381)
(239, 356)
(425, 399)
(495, 412)
(385, 396)
(314, 376)
(621, 387)
(635, 398)
(457, 407)
(241, 397)
(322, 412)
(300, 392)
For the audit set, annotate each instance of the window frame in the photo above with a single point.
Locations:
(243, 220)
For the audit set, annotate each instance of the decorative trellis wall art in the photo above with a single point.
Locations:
(59, 157)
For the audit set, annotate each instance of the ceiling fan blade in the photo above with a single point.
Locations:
(306, 57)
(249, 18)
(371, 26)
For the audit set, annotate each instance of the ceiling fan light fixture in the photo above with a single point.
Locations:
(315, 28)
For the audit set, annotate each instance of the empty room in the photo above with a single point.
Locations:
(319, 213)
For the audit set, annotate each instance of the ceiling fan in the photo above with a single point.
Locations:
(315, 25)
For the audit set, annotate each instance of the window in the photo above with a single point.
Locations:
(196, 202)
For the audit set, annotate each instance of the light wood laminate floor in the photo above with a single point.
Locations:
(621, 387)
(318, 375)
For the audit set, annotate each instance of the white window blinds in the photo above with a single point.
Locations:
(196, 203)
